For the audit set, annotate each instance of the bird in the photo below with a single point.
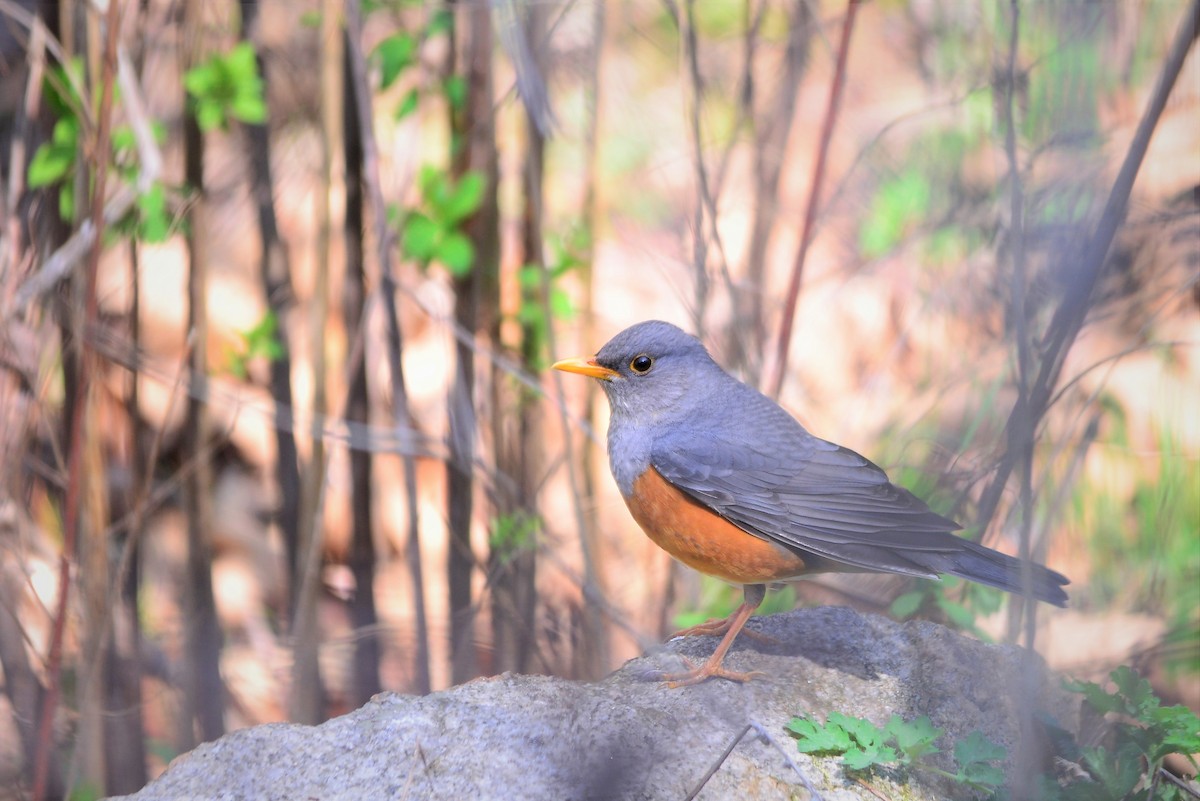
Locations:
(729, 483)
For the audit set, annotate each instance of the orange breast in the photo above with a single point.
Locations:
(703, 540)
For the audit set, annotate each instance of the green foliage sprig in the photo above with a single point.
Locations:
(1129, 767)
(907, 745)
(56, 162)
(1144, 734)
(395, 54)
(227, 87)
(432, 232)
(260, 341)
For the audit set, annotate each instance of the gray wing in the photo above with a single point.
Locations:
(814, 496)
(760, 470)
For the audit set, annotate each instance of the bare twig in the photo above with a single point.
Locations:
(385, 243)
(1020, 322)
(10, 236)
(75, 488)
(530, 82)
(705, 216)
(712, 770)
(1185, 786)
(766, 737)
(814, 197)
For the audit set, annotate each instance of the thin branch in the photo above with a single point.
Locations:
(1024, 432)
(75, 488)
(712, 770)
(814, 196)
(766, 737)
(787, 756)
(385, 243)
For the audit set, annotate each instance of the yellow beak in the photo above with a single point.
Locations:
(586, 367)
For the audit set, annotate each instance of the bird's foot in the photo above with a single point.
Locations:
(719, 626)
(712, 669)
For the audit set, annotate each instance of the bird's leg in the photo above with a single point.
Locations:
(754, 594)
(720, 625)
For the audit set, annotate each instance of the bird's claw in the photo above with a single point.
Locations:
(696, 675)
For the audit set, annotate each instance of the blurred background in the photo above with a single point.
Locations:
(289, 417)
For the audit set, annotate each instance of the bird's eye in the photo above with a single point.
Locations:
(641, 364)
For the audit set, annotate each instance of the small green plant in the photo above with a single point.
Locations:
(397, 53)
(260, 341)
(510, 534)
(538, 311)
(902, 744)
(55, 162)
(1129, 767)
(433, 231)
(227, 87)
(1144, 733)
(900, 204)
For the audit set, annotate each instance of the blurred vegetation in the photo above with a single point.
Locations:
(274, 323)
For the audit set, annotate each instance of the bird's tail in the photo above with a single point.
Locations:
(985, 566)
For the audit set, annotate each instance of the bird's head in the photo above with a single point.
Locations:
(651, 370)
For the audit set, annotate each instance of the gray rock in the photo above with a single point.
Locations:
(536, 737)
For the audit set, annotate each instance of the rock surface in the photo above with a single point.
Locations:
(535, 737)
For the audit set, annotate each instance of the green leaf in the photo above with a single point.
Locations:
(1119, 771)
(420, 237)
(456, 252)
(249, 108)
(408, 104)
(51, 162)
(66, 132)
(201, 79)
(958, 614)
(907, 604)
(977, 748)
(431, 181)
(975, 754)
(1180, 729)
(123, 139)
(981, 774)
(154, 223)
(859, 759)
(394, 54)
(864, 732)
(227, 86)
(242, 62)
(209, 116)
(59, 88)
(529, 277)
(815, 738)
(561, 305)
(441, 22)
(66, 201)
(263, 339)
(1140, 697)
(897, 206)
(455, 89)
(464, 199)
(914, 738)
